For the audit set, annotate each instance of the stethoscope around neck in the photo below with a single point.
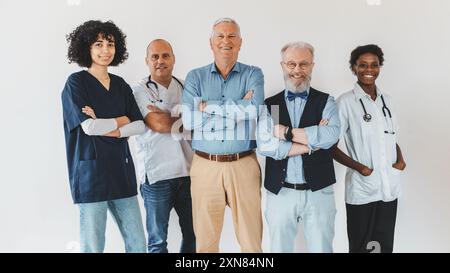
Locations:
(157, 89)
(368, 117)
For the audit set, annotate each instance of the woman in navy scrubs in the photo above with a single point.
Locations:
(100, 113)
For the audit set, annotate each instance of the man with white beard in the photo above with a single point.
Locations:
(299, 172)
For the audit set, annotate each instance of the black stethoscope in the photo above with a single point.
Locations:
(368, 117)
(156, 94)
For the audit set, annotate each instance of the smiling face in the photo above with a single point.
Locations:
(103, 50)
(226, 42)
(297, 65)
(160, 59)
(367, 68)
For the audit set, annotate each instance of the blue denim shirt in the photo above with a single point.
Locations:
(228, 123)
(318, 136)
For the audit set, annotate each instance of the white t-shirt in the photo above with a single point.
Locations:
(372, 144)
(161, 156)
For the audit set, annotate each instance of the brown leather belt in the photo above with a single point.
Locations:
(300, 187)
(224, 158)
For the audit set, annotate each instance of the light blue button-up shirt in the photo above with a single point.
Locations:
(228, 123)
(318, 136)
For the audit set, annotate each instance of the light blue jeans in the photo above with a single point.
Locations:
(127, 216)
(315, 210)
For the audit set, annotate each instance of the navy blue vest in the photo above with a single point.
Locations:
(318, 168)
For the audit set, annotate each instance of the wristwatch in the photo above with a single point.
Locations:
(288, 134)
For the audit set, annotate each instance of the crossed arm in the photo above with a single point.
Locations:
(160, 121)
(115, 127)
(271, 140)
(299, 139)
(204, 115)
(321, 136)
(221, 114)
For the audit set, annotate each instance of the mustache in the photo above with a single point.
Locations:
(306, 77)
(302, 86)
(298, 74)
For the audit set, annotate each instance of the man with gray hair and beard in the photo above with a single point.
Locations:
(296, 130)
(221, 102)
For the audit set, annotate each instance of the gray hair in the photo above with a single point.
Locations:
(297, 45)
(225, 20)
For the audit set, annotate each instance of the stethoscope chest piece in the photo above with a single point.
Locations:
(366, 117)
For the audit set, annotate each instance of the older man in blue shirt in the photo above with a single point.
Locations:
(221, 103)
(299, 167)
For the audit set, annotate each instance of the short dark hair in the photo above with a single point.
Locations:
(81, 39)
(360, 50)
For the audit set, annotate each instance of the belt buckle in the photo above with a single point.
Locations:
(237, 156)
(296, 186)
(229, 158)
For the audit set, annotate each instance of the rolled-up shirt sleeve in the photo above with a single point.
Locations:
(268, 144)
(323, 137)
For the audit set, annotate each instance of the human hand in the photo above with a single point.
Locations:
(248, 95)
(279, 130)
(89, 111)
(202, 106)
(323, 122)
(154, 109)
(365, 171)
(121, 121)
(399, 165)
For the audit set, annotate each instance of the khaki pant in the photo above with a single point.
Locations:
(217, 184)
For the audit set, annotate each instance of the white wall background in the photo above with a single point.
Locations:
(36, 211)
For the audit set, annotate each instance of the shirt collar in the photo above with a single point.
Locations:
(236, 68)
(359, 92)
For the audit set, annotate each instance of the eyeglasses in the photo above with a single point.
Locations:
(292, 65)
(364, 66)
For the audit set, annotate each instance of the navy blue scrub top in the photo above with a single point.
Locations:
(100, 168)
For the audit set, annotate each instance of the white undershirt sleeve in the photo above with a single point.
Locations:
(134, 128)
(98, 127)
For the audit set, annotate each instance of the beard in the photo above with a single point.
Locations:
(297, 87)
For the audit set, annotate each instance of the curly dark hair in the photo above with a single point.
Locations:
(360, 50)
(81, 39)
